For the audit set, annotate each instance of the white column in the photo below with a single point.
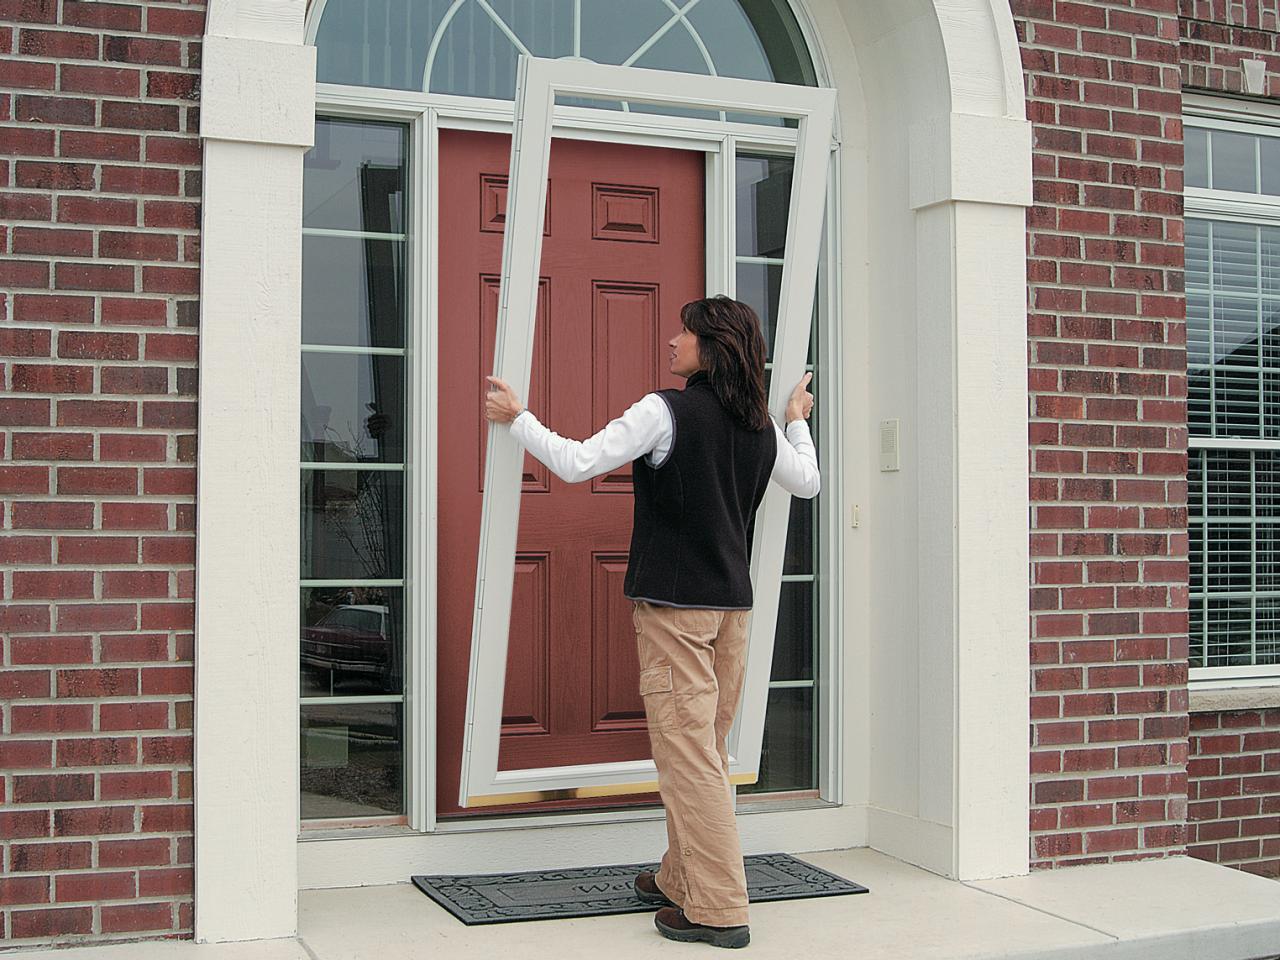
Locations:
(970, 183)
(257, 119)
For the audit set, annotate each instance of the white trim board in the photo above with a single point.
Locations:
(539, 82)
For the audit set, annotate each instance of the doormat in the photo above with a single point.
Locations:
(599, 891)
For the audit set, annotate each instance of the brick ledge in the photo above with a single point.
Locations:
(1234, 698)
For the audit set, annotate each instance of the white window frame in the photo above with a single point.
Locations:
(1243, 116)
(539, 82)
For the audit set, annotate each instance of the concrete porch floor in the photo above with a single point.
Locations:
(1173, 909)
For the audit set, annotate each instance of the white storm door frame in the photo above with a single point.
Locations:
(538, 83)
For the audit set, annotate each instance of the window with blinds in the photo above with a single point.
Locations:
(1233, 394)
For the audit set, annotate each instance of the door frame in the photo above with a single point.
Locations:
(720, 140)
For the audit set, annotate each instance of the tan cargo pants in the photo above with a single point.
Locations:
(691, 670)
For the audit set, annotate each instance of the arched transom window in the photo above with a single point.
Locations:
(469, 47)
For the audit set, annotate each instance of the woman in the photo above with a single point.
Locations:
(701, 460)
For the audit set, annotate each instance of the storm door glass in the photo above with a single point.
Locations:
(352, 470)
(789, 749)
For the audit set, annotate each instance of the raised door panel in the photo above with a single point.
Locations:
(624, 362)
(526, 700)
(615, 668)
(537, 478)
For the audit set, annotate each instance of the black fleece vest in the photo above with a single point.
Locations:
(695, 512)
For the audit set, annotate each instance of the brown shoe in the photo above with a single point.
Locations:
(674, 925)
(648, 891)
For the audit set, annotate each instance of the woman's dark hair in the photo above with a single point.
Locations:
(732, 351)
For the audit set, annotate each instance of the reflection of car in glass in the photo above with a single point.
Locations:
(353, 639)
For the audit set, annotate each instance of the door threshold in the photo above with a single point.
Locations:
(757, 804)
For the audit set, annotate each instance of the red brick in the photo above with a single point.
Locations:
(23, 890)
(136, 516)
(52, 446)
(134, 310)
(155, 181)
(18, 755)
(94, 13)
(147, 715)
(136, 917)
(159, 681)
(99, 146)
(93, 276)
(24, 479)
(99, 549)
(110, 81)
(53, 649)
(138, 246)
(53, 515)
(143, 50)
(134, 380)
(61, 584)
(22, 618)
(107, 682)
(168, 616)
(58, 44)
(47, 924)
(52, 175)
(166, 818)
(151, 852)
(97, 480)
(176, 21)
(52, 718)
(55, 110)
(161, 883)
(73, 888)
(97, 210)
(95, 752)
(52, 788)
(67, 243)
(137, 785)
(133, 447)
(171, 279)
(98, 346)
(131, 115)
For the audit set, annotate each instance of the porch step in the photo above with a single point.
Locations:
(1172, 909)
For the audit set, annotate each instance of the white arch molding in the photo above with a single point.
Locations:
(935, 592)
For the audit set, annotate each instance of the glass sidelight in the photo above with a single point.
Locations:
(352, 470)
(762, 191)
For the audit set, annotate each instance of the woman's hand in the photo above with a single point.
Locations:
(501, 403)
(801, 401)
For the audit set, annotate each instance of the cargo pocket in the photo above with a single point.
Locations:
(659, 697)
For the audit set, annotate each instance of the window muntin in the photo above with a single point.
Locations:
(1232, 261)
(469, 47)
(352, 469)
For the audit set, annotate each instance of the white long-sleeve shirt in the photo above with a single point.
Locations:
(646, 428)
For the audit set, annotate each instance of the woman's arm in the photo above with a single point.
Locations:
(640, 429)
(795, 468)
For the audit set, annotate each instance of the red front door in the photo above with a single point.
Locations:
(622, 251)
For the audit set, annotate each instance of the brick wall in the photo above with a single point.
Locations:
(99, 190)
(1234, 802)
(1217, 35)
(1107, 383)
(1233, 807)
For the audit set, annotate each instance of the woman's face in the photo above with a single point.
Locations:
(684, 353)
